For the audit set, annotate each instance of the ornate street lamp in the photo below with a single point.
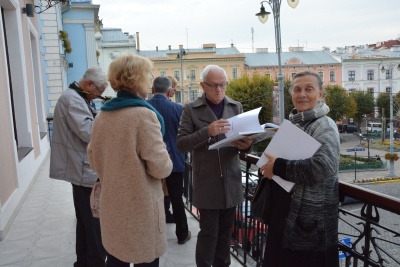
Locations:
(46, 4)
(383, 70)
(263, 17)
(180, 55)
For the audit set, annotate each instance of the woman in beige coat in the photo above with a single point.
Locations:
(128, 153)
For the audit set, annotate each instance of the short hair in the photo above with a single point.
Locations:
(131, 73)
(209, 68)
(308, 73)
(161, 84)
(173, 80)
(96, 75)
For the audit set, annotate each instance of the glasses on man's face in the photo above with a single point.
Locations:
(98, 89)
(216, 85)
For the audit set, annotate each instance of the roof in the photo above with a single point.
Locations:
(254, 60)
(113, 35)
(164, 53)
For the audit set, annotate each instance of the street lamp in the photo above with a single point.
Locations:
(263, 17)
(180, 55)
(383, 70)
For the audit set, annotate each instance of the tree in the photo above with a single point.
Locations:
(365, 105)
(253, 92)
(383, 101)
(339, 102)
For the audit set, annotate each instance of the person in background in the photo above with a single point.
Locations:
(217, 184)
(171, 112)
(128, 152)
(72, 129)
(303, 229)
(171, 93)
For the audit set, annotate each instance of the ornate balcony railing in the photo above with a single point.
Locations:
(369, 229)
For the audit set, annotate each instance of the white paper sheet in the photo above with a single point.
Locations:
(290, 142)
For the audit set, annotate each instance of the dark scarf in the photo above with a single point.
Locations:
(303, 119)
(125, 99)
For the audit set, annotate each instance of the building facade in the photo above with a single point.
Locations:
(24, 140)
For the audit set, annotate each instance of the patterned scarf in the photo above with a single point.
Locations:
(125, 99)
(303, 119)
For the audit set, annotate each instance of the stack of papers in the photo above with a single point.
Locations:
(246, 125)
(292, 143)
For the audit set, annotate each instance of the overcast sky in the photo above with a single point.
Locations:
(312, 24)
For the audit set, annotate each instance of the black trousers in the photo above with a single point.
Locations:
(89, 248)
(214, 238)
(175, 191)
(114, 262)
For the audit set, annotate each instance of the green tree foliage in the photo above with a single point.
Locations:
(383, 101)
(288, 99)
(339, 102)
(365, 105)
(253, 92)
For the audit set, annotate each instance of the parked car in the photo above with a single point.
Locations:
(347, 128)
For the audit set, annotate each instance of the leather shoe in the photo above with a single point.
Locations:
(186, 239)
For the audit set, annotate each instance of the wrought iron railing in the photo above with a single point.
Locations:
(369, 231)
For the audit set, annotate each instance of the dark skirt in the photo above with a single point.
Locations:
(275, 255)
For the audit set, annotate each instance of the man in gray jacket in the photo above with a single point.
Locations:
(72, 128)
(217, 184)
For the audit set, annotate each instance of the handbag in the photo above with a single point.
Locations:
(95, 199)
(261, 202)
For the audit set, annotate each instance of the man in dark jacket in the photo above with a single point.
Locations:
(217, 184)
(171, 113)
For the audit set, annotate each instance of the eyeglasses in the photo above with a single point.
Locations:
(216, 85)
(98, 89)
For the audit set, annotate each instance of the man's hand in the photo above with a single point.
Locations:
(218, 127)
(242, 144)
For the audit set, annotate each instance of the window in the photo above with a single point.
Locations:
(332, 76)
(234, 73)
(352, 75)
(293, 73)
(163, 73)
(178, 97)
(388, 74)
(192, 75)
(388, 89)
(268, 76)
(370, 75)
(321, 74)
(192, 95)
(352, 90)
(177, 75)
(370, 91)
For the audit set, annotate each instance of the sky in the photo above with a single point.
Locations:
(312, 24)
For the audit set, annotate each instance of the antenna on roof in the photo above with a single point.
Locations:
(187, 40)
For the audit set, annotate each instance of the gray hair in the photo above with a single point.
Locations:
(209, 68)
(162, 84)
(96, 75)
(308, 73)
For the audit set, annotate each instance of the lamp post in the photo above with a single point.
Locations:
(263, 17)
(390, 70)
(180, 55)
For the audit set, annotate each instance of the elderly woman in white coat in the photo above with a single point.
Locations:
(128, 153)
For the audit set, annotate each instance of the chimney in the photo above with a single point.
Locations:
(137, 40)
(180, 47)
(232, 46)
(169, 47)
(156, 48)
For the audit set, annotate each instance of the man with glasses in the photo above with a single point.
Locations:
(72, 128)
(217, 184)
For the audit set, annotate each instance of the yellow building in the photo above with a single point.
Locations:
(186, 65)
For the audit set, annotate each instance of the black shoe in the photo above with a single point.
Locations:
(186, 239)
(169, 218)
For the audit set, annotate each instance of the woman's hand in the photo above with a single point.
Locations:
(267, 169)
